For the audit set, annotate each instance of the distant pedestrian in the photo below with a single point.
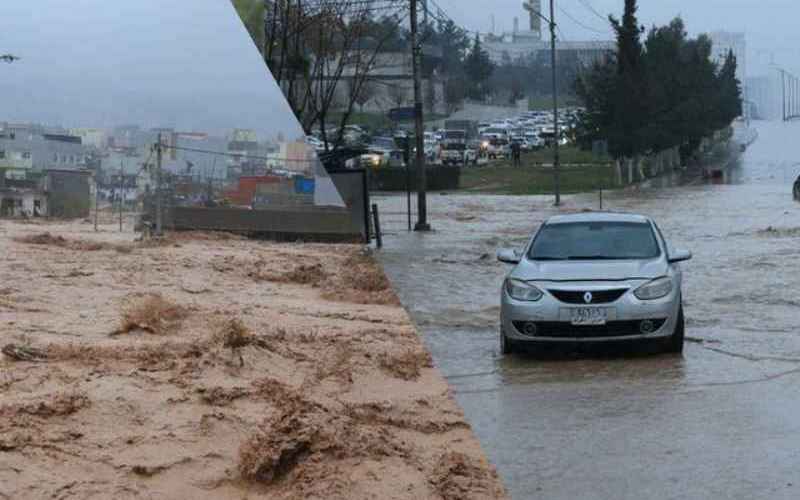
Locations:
(516, 154)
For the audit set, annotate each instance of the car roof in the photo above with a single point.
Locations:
(597, 217)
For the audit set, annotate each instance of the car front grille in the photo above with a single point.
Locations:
(579, 296)
(565, 329)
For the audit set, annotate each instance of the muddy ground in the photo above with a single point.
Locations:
(208, 366)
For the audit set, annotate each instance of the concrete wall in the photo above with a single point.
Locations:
(289, 223)
(68, 193)
(309, 223)
(438, 178)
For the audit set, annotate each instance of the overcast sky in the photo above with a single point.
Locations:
(770, 25)
(188, 64)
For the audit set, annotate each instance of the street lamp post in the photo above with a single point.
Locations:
(556, 129)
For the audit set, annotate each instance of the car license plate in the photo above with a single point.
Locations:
(587, 316)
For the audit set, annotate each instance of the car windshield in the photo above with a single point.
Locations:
(595, 241)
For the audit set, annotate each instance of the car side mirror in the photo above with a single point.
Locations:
(508, 256)
(680, 256)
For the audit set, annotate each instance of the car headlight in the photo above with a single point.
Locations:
(521, 290)
(655, 289)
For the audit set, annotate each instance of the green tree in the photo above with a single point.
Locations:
(251, 13)
(729, 104)
(596, 89)
(667, 93)
(667, 81)
(478, 68)
(452, 43)
(625, 135)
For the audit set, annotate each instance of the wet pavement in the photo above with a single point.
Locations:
(721, 421)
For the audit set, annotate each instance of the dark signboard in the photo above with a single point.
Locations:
(401, 114)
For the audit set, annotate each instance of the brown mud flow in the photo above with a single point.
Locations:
(214, 367)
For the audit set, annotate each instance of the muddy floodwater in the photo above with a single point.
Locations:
(721, 421)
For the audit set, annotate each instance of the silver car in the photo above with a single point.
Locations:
(593, 277)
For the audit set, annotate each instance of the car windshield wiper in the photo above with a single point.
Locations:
(546, 257)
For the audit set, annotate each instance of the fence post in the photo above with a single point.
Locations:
(377, 221)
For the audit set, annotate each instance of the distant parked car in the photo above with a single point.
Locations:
(595, 277)
(497, 147)
(796, 189)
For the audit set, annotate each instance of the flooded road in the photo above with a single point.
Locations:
(722, 421)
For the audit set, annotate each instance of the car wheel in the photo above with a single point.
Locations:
(676, 340)
(507, 345)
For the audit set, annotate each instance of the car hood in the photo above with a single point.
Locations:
(601, 270)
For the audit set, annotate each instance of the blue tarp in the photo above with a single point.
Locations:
(304, 185)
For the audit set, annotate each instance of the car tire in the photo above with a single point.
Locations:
(676, 340)
(507, 346)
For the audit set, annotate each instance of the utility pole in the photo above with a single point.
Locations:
(783, 94)
(121, 191)
(96, 195)
(556, 129)
(158, 187)
(416, 49)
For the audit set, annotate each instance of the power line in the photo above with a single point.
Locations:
(579, 23)
(591, 9)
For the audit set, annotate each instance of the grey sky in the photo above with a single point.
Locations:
(770, 25)
(188, 64)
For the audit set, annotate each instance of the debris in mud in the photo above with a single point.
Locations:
(360, 280)
(385, 413)
(222, 396)
(304, 274)
(458, 476)
(145, 355)
(299, 437)
(146, 470)
(57, 405)
(24, 353)
(234, 335)
(338, 366)
(151, 313)
(312, 274)
(78, 245)
(407, 365)
(286, 440)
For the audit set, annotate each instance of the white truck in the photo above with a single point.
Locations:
(454, 147)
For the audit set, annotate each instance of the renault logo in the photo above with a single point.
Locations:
(587, 297)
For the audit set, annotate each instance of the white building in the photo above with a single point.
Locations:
(26, 148)
(92, 137)
(524, 44)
